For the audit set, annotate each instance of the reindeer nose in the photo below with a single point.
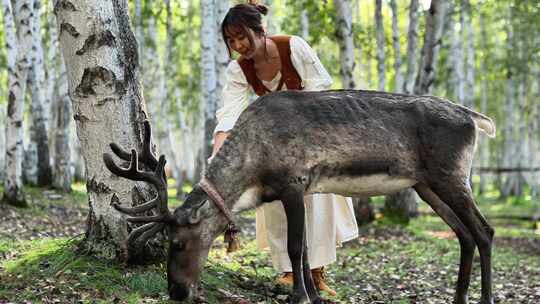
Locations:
(178, 292)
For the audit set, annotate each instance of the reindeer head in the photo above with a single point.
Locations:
(191, 228)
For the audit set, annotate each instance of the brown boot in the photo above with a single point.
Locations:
(286, 279)
(319, 280)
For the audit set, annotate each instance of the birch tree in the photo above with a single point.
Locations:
(304, 23)
(456, 64)
(165, 128)
(483, 145)
(398, 78)
(470, 53)
(344, 34)
(222, 54)
(430, 50)
(62, 157)
(208, 78)
(412, 45)
(38, 161)
(381, 57)
(101, 57)
(18, 27)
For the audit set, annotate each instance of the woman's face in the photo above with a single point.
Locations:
(239, 41)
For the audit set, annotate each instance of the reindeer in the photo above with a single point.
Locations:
(292, 143)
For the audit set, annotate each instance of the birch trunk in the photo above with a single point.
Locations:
(208, 79)
(52, 64)
(346, 43)
(151, 69)
(40, 172)
(18, 26)
(62, 157)
(412, 46)
(430, 50)
(168, 134)
(456, 63)
(483, 146)
(513, 183)
(187, 156)
(100, 53)
(398, 78)
(360, 66)
(222, 55)
(304, 24)
(508, 133)
(469, 51)
(533, 130)
(271, 26)
(381, 66)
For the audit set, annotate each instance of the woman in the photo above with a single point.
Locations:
(269, 64)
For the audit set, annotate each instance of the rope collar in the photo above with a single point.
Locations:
(214, 195)
(230, 233)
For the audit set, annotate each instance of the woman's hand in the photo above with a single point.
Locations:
(219, 138)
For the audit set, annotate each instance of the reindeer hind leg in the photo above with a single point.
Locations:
(466, 240)
(458, 196)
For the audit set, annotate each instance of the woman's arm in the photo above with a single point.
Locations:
(219, 138)
(309, 67)
(235, 100)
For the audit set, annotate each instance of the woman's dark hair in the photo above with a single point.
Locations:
(243, 17)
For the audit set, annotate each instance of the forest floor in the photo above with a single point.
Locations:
(40, 262)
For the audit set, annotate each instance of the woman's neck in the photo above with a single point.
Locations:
(267, 51)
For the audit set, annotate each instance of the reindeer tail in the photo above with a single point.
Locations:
(484, 123)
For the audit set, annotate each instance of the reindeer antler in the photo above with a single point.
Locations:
(146, 157)
(156, 177)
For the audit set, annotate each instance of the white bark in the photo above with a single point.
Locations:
(533, 129)
(164, 128)
(222, 55)
(381, 57)
(37, 161)
(483, 146)
(187, 159)
(100, 53)
(412, 46)
(208, 74)
(398, 78)
(304, 24)
(360, 66)
(469, 51)
(430, 50)
(346, 43)
(272, 27)
(456, 63)
(52, 64)
(62, 157)
(17, 20)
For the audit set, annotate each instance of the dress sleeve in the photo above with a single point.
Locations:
(235, 97)
(305, 61)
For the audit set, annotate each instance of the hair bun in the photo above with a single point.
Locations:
(260, 7)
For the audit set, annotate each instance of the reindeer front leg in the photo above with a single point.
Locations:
(293, 203)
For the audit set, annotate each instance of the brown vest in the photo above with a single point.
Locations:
(289, 75)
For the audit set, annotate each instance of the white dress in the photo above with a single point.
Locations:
(329, 218)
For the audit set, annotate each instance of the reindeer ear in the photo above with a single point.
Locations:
(197, 212)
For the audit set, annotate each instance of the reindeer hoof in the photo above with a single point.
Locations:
(487, 301)
(319, 300)
(299, 300)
